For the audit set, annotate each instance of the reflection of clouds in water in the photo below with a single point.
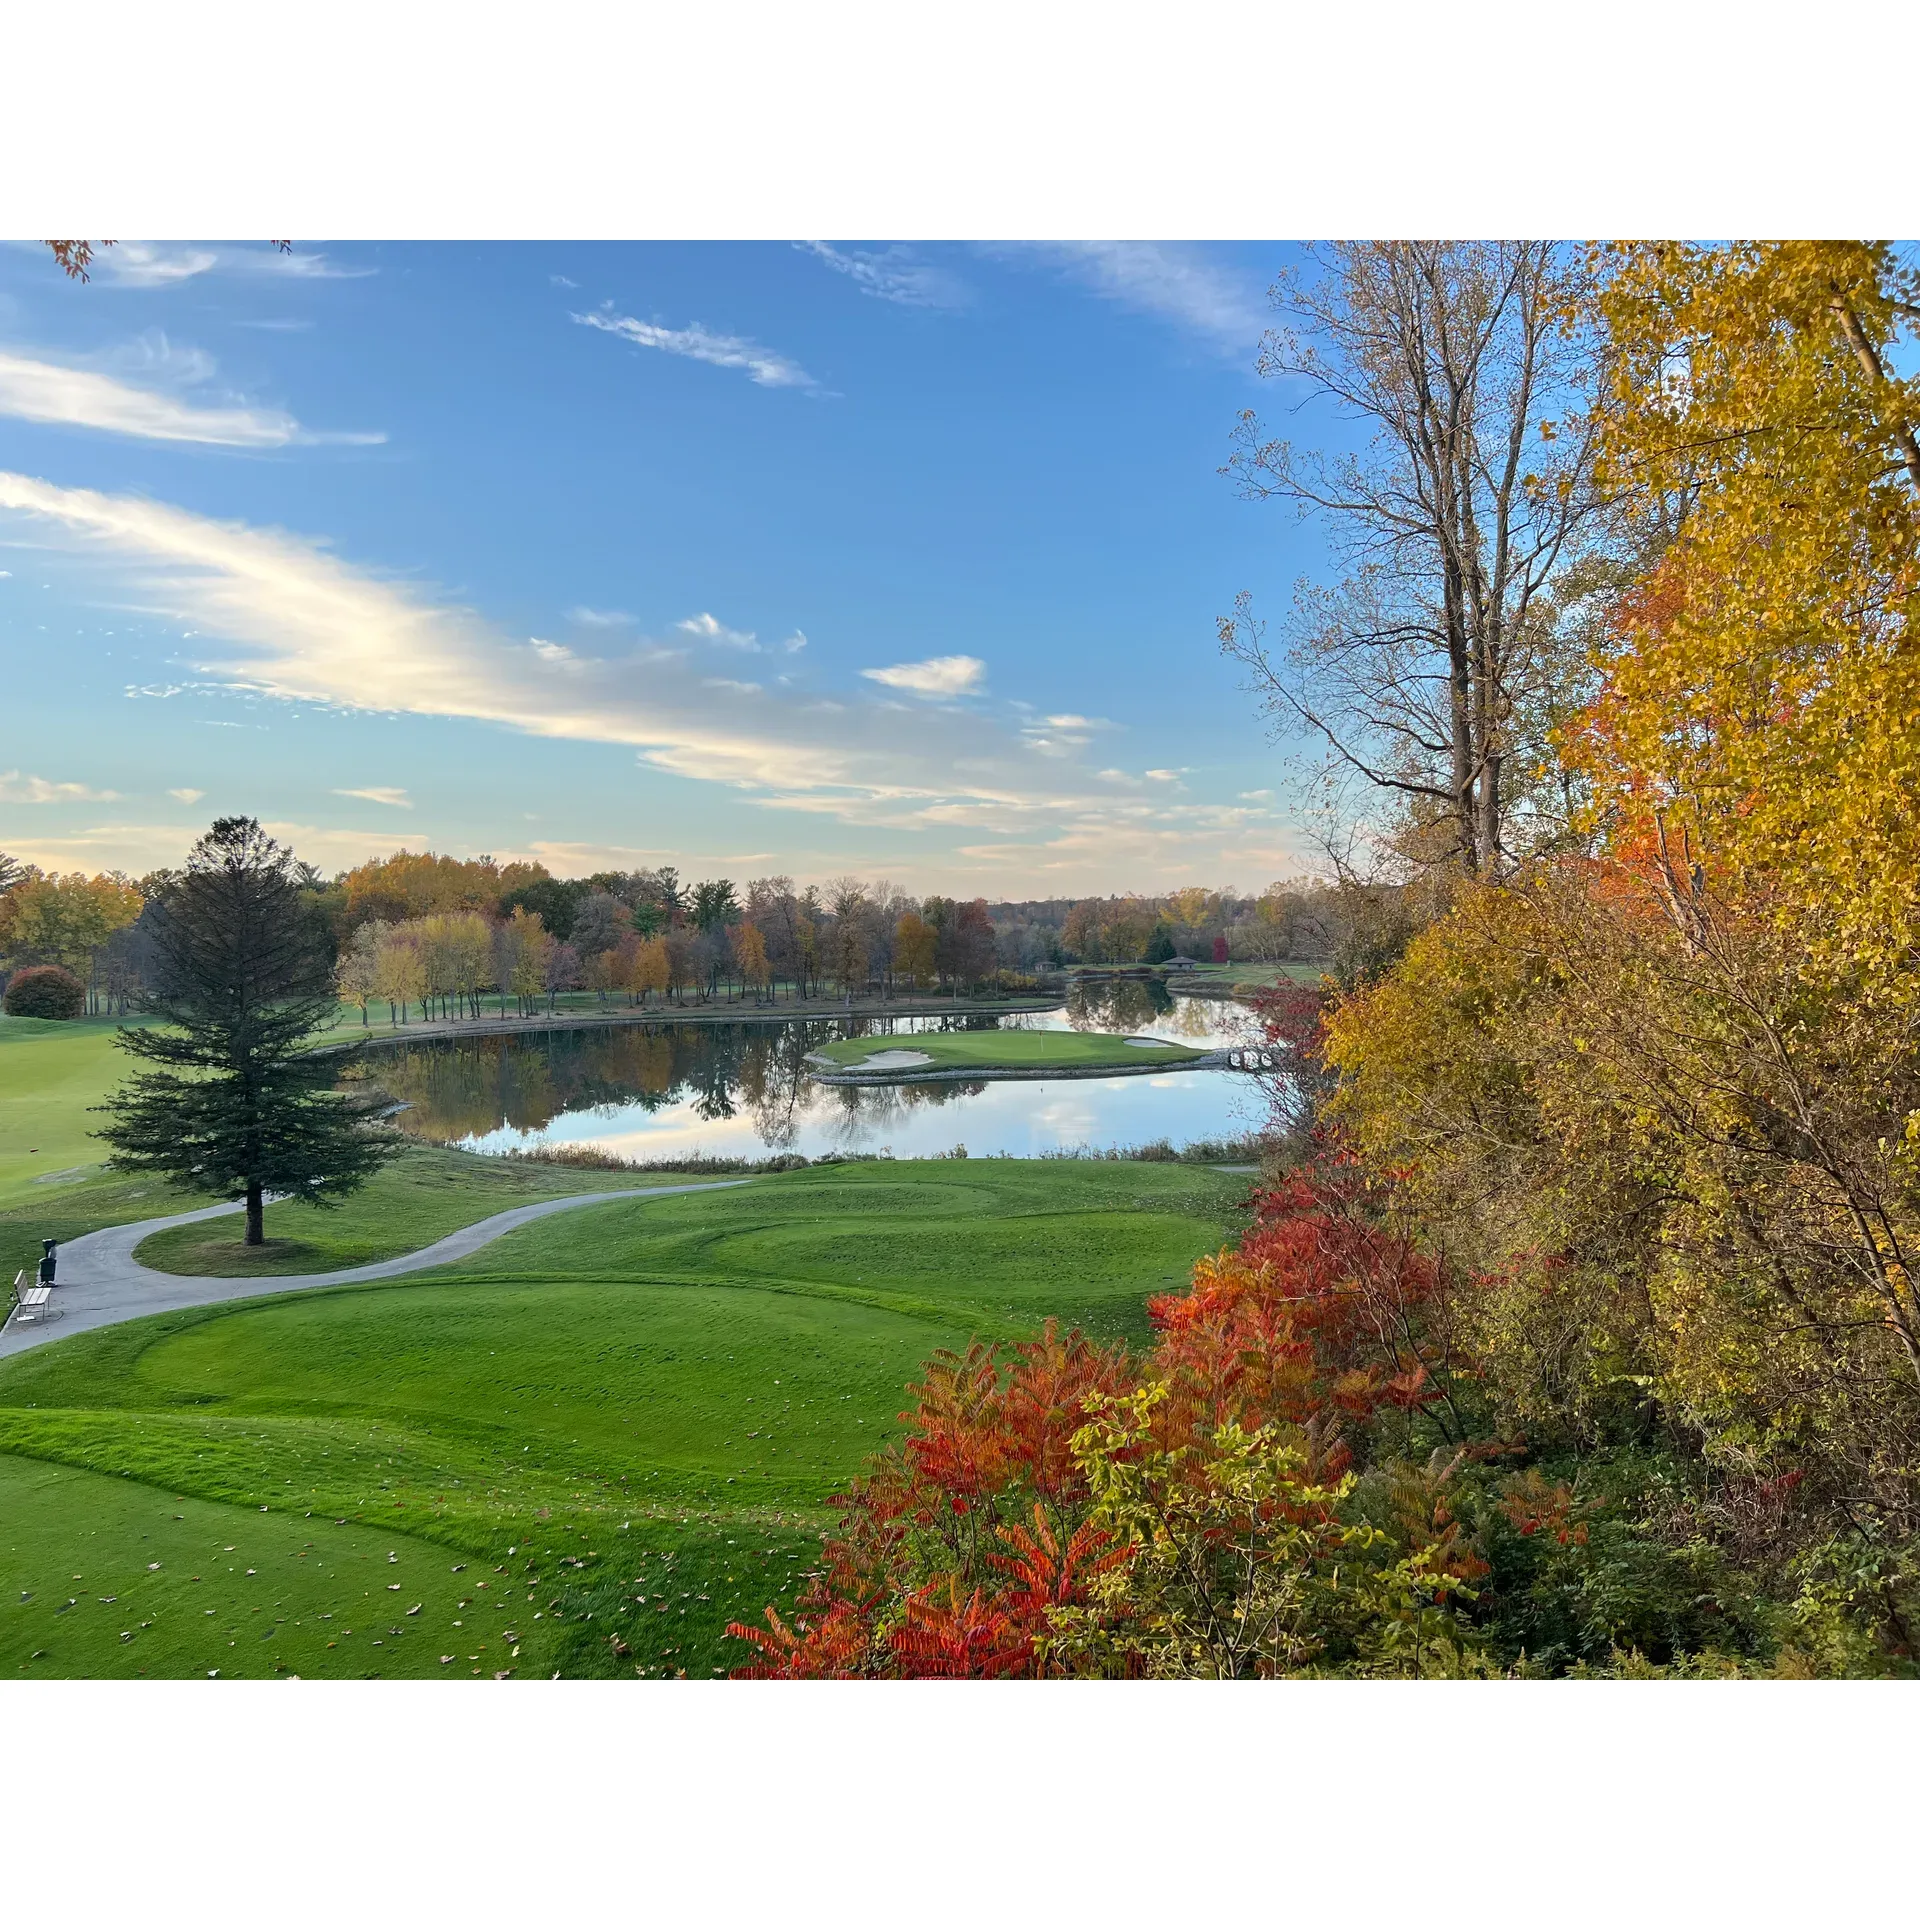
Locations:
(672, 1091)
(1003, 1116)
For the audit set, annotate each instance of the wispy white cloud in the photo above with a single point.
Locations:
(1174, 281)
(187, 796)
(28, 789)
(703, 626)
(162, 263)
(599, 617)
(270, 615)
(946, 675)
(574, 859)
(892, 274)
(561, 280)
(1064, 734)
(761, 365)
(380, 796)
(51, 394)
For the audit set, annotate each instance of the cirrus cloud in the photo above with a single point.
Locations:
(761, 365)
(268, 614)
(50, 394)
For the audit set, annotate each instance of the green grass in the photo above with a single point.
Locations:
(1259, 973)
(1018, 1049)
(111, 1579)
(641, 1398)
(51, 1073)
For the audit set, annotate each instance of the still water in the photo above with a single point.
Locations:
(665, 1090)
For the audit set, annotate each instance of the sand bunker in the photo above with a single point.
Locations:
(896, 1057)
(1145, 1040)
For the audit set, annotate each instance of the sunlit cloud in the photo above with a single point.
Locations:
(705, 627)
(28, 789)
(268, 616)
(761, 365)
(187, 796)
(380, 796)
(50, 394)
(599, 617)
(949, 674)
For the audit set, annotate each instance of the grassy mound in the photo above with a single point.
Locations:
(1017, 1049)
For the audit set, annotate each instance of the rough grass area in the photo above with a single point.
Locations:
(642, 1400)
(1020, 1049)
(425, 1193)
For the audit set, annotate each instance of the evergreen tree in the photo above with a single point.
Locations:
(237, 1104)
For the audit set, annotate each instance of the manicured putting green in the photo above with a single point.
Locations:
(1015, 1049)
(761, 1396)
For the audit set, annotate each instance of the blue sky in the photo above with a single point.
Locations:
(887, 560)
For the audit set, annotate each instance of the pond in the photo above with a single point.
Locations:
(667, 1089)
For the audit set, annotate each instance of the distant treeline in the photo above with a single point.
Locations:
(429, 931)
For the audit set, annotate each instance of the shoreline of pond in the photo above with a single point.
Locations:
(520, 1026)
(1216, 1062)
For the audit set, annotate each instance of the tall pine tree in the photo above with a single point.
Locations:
(236, 1104)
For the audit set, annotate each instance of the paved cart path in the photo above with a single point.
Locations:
(100, 1281)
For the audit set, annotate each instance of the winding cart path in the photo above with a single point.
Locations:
(100, 1282)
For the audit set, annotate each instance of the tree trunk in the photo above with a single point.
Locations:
(256, 1220)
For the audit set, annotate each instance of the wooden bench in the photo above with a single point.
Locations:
(31, 1301)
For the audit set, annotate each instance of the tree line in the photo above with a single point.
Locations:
(645, 936)
(441, 935)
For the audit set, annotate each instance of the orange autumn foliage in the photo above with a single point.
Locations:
(990, 1540)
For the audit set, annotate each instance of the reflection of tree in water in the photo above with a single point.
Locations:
(1195, 1018)
(455, 1091)
(460, 1088)
(1116, 1006)
(865, 1111)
